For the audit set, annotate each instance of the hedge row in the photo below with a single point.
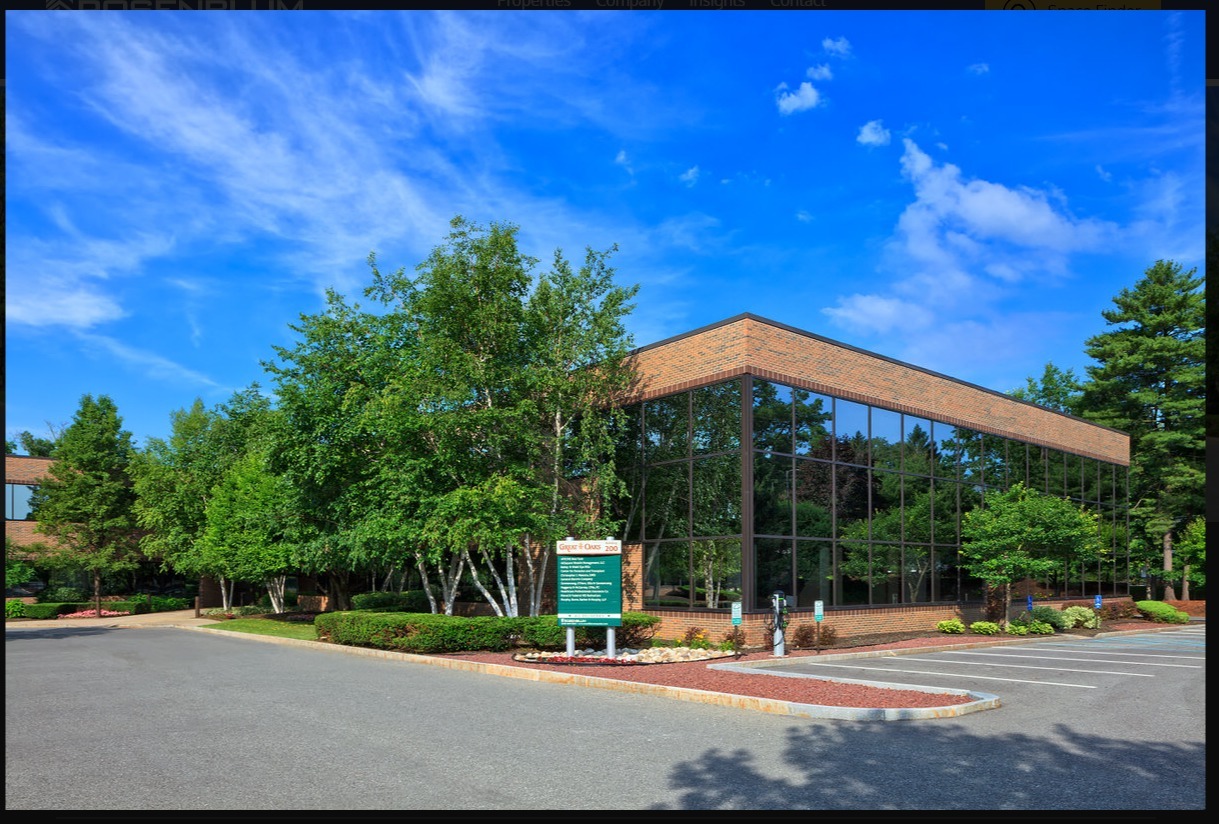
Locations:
(428, 633)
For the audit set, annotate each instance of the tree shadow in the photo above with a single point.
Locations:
(929, 766)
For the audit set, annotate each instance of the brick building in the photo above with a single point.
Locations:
(761, 458)
(22, 475)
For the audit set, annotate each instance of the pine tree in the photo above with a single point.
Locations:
(1149, 382)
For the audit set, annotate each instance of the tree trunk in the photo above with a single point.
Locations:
(97, 591)
(1185, 584)
(1170, 594)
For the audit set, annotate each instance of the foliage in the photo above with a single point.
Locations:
(1150, 383)
(60, 594)
(734, 640)
(1190, 552)
(1052, 616)
(696, 638)
(14, 608)
(1040, 628)
(951, 626)
(35, 446)
(1161, 613)
(17, 570)
(984, 628)
(1016, 628)
(85, 501)
(1022, 533)
(1113, 610)
(409, 601)
(249, 520)
(1057, 389)
(1080, 617)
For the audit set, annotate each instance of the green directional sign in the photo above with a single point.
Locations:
(590, 586)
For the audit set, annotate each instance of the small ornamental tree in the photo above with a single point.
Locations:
(1021, 533)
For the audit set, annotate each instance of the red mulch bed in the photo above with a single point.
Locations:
(700, 676)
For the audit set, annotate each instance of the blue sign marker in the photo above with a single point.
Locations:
(1030, 603)
(1097, 602)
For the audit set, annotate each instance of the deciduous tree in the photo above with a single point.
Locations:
(86, 500)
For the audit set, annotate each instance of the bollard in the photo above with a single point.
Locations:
(197, 615)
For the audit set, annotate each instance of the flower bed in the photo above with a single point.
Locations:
(92, 613)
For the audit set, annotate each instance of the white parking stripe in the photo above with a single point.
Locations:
(1054, 658)
(1059, 647)
(1055, 669)
(971, 677)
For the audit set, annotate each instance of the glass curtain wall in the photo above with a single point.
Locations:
(748, 487)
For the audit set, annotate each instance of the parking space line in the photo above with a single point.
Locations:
(1058, 647)
(1054, 658)
(1055, 669)
(958, 675)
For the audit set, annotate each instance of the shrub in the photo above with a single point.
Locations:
(1080, 617)
(734, 640)
(953, 626)
(1051, 616)
(411, 600)
(14, 608)
(1017, 629)
(1041, 627)
(984, 628)
(61, 594)
(1161, 613)
(1113, 610)
(696, 638)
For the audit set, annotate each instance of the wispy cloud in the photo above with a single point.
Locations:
(154, 365)
(821, 72)
(978, 68)
(689, 176)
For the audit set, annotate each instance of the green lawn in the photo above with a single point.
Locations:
(300, 630)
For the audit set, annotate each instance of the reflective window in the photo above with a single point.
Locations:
(667, 575)
(773, 569)
(716, 421)
(814, 499)
(814, 418)
(886, 439)
(772, 417)
(851, 432)
(947, 451)
(1055, 473)
(17, 501)
(918, 452)
(814, 573)
(717, 496)
(994, 458)
(666, 501)
(773, 479)
(717, 573)
(666, 422)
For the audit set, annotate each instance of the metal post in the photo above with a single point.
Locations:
(571, 641)
(610, 639)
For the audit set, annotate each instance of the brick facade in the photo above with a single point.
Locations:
(769, 350)
(22, 469)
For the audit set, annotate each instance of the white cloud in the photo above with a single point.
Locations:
(979, 68)
(157, 366)
(961, 243)
(802, 99)
(804, 216)
(1105, 176)
(690, 176)
(873, 133)
(839, 48)
(821, 72)
(874, 313)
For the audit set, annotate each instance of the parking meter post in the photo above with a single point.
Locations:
(780, 608)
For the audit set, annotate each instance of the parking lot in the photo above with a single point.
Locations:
(1116, 674)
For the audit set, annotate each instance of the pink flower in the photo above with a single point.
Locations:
(92, 613)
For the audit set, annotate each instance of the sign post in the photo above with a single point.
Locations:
(590, 588)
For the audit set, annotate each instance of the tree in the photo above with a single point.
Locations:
(86, 500)
(249, 521)
(1149, 382)
(1056, 390)
(1022, 533)
(1190, 556)
(17, 570)
(174, 479)
(10, 447)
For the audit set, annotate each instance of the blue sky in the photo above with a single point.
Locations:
(964, 191)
